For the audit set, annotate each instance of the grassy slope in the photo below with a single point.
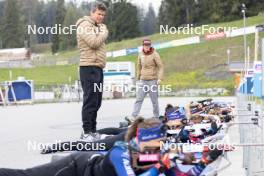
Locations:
(44, 75)
(184, 65)
(156, 38)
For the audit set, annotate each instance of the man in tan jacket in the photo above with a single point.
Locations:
(149, 74)
(91, 37)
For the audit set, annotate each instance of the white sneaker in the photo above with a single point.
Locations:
(87, 137)
(96, 136)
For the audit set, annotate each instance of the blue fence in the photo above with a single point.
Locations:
(252, 82)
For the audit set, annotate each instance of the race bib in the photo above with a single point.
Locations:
(148, 157)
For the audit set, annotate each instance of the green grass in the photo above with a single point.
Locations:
(196, 79)
(199, 56)
(52, 75)
(156, 38)
(184, 65)
(60, 56)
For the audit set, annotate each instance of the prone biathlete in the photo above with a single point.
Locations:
(142, 135)
(179, 126)
(174, 118)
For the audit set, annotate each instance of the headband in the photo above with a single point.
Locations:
(148, 134)
(176, 114)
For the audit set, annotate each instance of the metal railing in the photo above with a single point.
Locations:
(250, 117)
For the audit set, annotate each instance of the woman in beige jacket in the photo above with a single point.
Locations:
(149, 74)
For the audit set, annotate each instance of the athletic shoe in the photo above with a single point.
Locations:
(89, 137)
(96, 136)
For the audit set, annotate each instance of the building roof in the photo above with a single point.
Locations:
(238, 66)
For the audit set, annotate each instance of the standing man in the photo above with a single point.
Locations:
(149, 74)
(91, 37)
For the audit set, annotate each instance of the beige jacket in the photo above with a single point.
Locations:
(91, 42)
(150, 66)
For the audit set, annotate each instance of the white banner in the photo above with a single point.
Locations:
(240, 31)
(119, 53)
(185, 41)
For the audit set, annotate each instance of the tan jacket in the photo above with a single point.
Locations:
(150, 67)
(91, 42)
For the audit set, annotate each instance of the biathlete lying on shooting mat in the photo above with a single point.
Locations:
(111, 135)
(181, 129)
(127, 158)
(208, 106)
(175, 118)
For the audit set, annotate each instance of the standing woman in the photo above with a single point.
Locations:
(149, 74)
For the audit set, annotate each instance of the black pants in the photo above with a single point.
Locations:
(72, 165)
(92, 85)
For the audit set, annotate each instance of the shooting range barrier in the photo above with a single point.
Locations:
(18, 91)
(250, 115)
